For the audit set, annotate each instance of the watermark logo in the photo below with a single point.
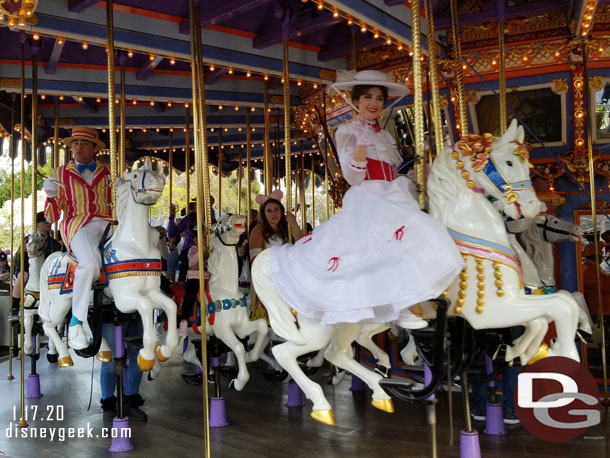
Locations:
(557, 399)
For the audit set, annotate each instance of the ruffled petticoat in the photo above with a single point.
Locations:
(379, 255)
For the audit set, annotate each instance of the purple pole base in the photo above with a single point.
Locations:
(469, 445)
(185, 345)
(295, 395)
(494, 421)
(199, 370)
(357, 384)
(121, 429)
(33, 387)
(428, 380)
(218, 414)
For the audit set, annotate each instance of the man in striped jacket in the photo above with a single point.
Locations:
(81, 191)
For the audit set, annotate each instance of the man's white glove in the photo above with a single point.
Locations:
(51, 187)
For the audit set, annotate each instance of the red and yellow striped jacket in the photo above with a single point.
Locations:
(79, 201)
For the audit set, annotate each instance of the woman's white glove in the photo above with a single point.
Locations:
(51, 187)
(362, 131)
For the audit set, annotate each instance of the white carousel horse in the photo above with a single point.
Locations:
(35, 247)
(458, 187)
(461, 182)
(227, 309)
(133, 268)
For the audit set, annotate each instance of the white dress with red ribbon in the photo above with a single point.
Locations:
(377, 256)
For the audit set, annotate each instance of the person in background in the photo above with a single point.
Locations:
(173, 260)
(191, 288)
(5, 270)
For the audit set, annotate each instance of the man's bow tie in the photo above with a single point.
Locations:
(82, 167)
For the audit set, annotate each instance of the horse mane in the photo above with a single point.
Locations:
(442, 184)
(122, 193)
(531, 239)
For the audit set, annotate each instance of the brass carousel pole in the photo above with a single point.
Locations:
(418, 107)
(437, 118)
(111, 104)
(239, 180)
(13, 152)
(123, 118)
(200, 133)
(313, 191)
(302, 191)
(248, 172)
(187, 147)
(56, 150)
(22, 422)
(326, 190)
(171, 167)
(220, 154)
(287, 158)
(459, 75)
(606, 401)
(502, 86)
(267, 156)
(34, 134)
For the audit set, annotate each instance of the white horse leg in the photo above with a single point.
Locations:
(286, 354)
(365, 338)
(64, 357)
(521, 344)
(171, 340)
(536, 342)
(28, 323)
(409, 353)
(317, 360)
(339, 353)
(146, 356)
(247, 328)
(225, 333)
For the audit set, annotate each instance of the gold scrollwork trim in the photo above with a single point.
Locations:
(596, 83)
(134, 274)
(10, 82)
(555, 199)
(327, 74)
(559, 85)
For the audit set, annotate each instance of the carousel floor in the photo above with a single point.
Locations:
(260, 424)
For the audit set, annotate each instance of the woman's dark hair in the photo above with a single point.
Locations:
(358, 91)
(267, 230)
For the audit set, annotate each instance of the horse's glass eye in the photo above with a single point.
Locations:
(509, 163)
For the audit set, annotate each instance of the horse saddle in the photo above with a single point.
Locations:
(64, 281)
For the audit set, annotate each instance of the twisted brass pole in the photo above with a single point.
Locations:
(418, 106)
(187, 149)
(13, 152)
(203, 187)
(171, 167)
(302, 191)
(502, 88)
(56, 151)
(267, 156)
(248, 172)
(313, 191)
(459, 75)
(34, 138)
(287, 122)
(437, 118)
(123, 119)
(239, 180)
(326, 189)
(111, 105)
(220, 155)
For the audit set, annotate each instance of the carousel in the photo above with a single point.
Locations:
(304, 227)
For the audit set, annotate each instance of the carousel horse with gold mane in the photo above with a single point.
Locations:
(462, 180)
(131, 264)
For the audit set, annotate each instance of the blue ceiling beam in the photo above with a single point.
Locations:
(54, 58)
(229, 10)
(214, 76)
(297, 29)
(91, 107)
(148, 69)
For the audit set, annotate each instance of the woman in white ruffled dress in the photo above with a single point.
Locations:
(380, 254)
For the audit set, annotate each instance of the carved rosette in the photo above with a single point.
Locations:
(549, 172)
(578, 164)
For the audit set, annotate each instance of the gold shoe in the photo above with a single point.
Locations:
(66, 361)
(540, 354)
(104, 356)
(324, 416)
(145, 364)
(160, 356)
(383, 404)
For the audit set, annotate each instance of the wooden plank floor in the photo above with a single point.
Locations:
(261, 427)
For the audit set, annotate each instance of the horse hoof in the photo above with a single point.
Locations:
(383, 404)
(66, 361)
(160, 356)
(324, 416)
(145, 365)
(540, 354)
(104, 356)
(52, 357)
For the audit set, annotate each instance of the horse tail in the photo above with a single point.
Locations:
(281, 318)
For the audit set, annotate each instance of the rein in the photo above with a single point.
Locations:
(546, 228)
(136, 191)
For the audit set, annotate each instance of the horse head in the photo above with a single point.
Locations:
(229, 228)
(37, 243)
(557, 230)
(499, 168)
(146, 186)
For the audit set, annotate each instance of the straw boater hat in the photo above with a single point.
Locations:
(84, 133)
(347, 80)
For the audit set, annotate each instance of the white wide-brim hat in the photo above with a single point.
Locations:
(347, 80)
